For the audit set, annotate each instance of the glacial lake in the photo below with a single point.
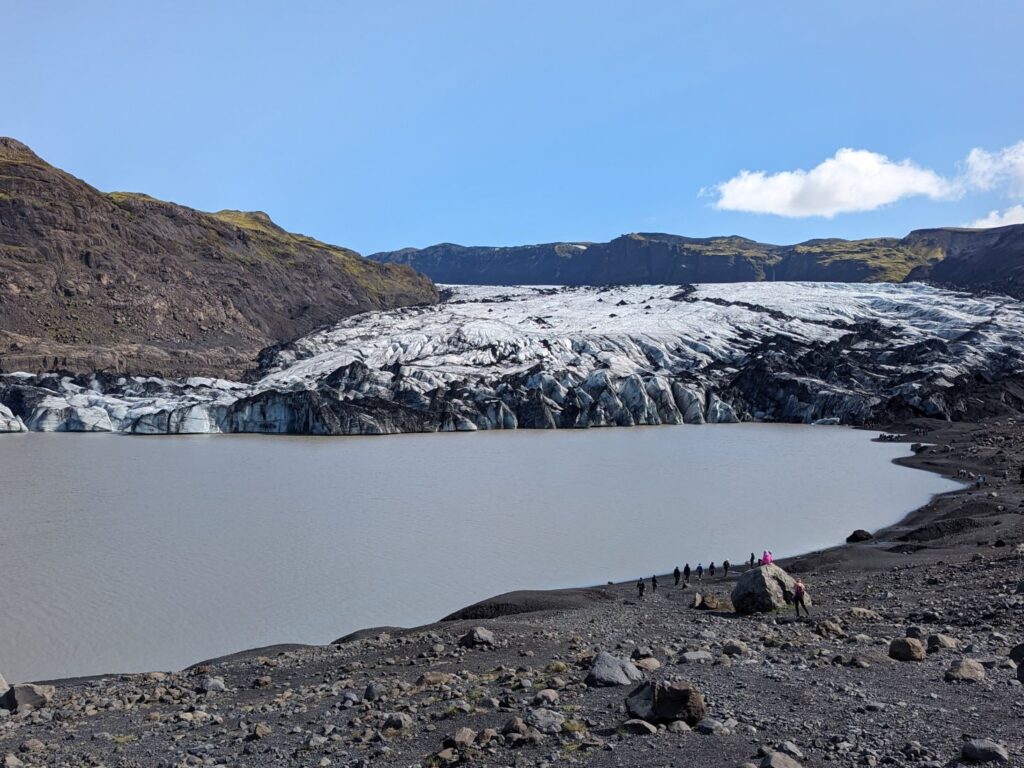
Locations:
(125, 554)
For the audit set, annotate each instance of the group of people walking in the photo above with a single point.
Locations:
(683, 577)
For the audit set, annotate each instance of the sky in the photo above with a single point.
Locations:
(393, 123)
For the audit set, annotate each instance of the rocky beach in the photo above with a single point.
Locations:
(909, 658)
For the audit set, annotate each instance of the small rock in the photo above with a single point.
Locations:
(462, 738)
(610, 670)
(735, 648)
(965, 670)
(213, 685)
(545, 720)
(639, 727)
(983, 751)
(476, 637)
(397, 721)
(778, 760)
(906, 649)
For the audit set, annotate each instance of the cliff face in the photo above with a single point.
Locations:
(125, 282)
(960, 258)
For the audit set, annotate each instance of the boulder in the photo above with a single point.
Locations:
(983, 751)
(639, 727)
(397, 721)
(1017, 654)
(26, 696)
(461, 739)
(666, 702)
(545, 720)
(965, 670)
(763, 589)
(858, 536)
(696, 657)
(940, 642)
(610, 670)
(906, 649)
(735, 648)
(476, 637)
(778, 760)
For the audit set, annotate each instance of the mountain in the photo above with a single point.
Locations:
(576, 357)
(987, 258)
(125, 282)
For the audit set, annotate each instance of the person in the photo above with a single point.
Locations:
(711, 569)
(798, 597)
(654, 583)
(700, 571)
(751, 559)
(725, 569)
(766, 557)
(686, 573)
(676, 575)
(640, 587)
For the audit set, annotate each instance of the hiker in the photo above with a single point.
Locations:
(751, 559)
(725, 569)
(798, 598)
(640, 587)
(700, 571)
(686, 573)
(711, 569)
(654, 583)
(676, 575)
(766, 557)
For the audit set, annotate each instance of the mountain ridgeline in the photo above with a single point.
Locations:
(990, 259)
(127, 283)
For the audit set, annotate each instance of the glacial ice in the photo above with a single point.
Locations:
(537, 357)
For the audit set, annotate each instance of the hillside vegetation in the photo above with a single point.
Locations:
(987, 259)
(126, 282)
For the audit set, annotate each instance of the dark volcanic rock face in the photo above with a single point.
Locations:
(124, 282)
(542, 358)
(990, 259)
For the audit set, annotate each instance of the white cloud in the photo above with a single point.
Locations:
(1012, 215)
(851, 180)
(987, 170)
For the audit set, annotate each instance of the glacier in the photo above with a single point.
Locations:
(497, 357)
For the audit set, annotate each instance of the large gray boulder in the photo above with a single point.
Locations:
(983, 751)
(610, 670)
(26, 696)
(763, 589)
(666, 702)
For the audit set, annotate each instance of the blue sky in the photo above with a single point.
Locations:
(382, 124)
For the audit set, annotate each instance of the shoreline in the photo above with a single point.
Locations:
(507, 681)
(519, 602)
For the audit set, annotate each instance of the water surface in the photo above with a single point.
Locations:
(129, 554)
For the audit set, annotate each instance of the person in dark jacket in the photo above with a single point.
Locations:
(725, 569)
(640, 587)
(711, 570)
(654, 583)
(798, 598)
(686, 573)
(676, 574)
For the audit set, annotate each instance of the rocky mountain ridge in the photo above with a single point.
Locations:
(126, 283)
(989, 259)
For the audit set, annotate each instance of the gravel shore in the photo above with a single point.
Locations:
(909, 658)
